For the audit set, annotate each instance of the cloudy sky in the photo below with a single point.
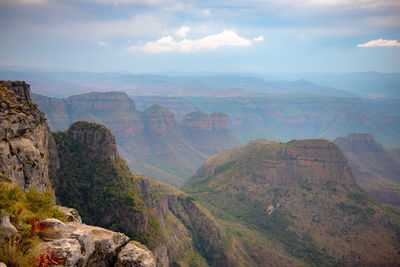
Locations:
(142, 36)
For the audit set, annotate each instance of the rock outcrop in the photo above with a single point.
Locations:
(24, 138)
(375, 169)
(85, 245)
(98, 140)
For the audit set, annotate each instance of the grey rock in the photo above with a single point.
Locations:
(24, 137)
(53, 223)
(6, 228)
(135, 255)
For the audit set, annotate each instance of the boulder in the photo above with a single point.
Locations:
(6, 228)
(135, 254)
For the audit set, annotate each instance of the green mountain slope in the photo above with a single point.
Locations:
(300, 196)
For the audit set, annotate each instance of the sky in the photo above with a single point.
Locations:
(152, 36)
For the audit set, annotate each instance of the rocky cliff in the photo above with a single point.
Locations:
(24, 138)
(152, 142)
(375, 169)
(302, 197)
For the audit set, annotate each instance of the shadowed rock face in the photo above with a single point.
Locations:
(24, 138)
(375, 169)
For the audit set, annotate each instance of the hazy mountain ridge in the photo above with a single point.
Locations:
(64, 83)
(152, 141)
(287, 117)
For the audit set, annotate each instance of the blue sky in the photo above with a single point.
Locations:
(286, 36)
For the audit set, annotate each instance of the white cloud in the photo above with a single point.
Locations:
(380, 43)
(259, 39)
(102, 43)
(182, 31)
(169, 44)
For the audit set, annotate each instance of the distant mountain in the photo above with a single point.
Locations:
(374, 168)
(289, 116)
(300, 196)
(64, 83)
(366, 84)
(152, 142)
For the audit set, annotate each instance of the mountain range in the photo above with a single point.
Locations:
(152, 141)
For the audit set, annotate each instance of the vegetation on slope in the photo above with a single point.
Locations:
(99, 190)
(25, 210)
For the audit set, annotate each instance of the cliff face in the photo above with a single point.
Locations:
(375, 169)
(302, 195)
(152, 142)
(24, 138)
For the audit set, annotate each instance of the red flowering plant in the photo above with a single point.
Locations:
(49, 259)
